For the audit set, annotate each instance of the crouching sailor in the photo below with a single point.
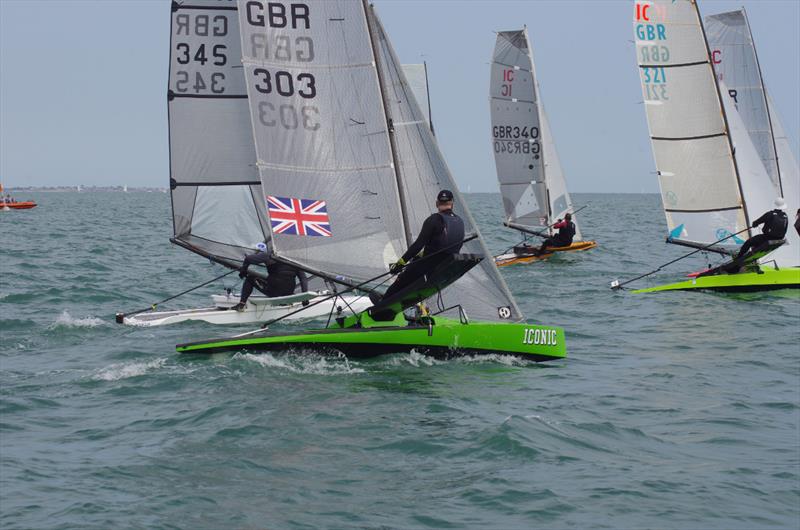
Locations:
(564, 237)
(775, 222)
(441, 233)
(280, 279)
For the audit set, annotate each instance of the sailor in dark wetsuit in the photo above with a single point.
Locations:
(566, 232)
(280, 279)
(797, 221)
(442, 231)
(775, 224)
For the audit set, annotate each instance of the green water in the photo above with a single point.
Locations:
(675, 410)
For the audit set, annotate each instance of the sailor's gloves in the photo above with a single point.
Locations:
(397, 266)
(243, 273)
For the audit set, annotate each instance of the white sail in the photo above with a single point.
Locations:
(560, 201)
(217, 210)
(417, 77)
(516, 131)
(698, 177)
(787, 255)
(532, 183)
(351, 171)
(736, 63)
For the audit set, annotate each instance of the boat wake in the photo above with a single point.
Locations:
(118, 371)
(303, 364)
(65, 320)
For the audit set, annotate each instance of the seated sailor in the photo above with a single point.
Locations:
(566, 232)
(441, 233)
(280, 279)
(775, 224)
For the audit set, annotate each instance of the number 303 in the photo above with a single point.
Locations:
(287, 116)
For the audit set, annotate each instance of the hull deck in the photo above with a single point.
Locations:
(445, 338)
(767, 280)
(505, 260)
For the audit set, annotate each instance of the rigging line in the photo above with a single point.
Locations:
(120, 316)
(353, 287)
(617, 285)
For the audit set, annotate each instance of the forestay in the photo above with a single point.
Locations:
(423, 172)
(216, 193)
(697, 172)
(516, 131)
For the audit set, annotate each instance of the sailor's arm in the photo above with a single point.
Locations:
(253, 259)
(761, 219)
(425, 234)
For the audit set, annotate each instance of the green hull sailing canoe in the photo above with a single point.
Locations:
(767, 279)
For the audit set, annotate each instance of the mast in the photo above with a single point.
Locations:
(766, 103)
(724, 117)
(428, 92)
(538, 94)
(389, 123)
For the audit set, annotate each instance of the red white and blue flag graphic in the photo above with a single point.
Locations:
(300, 217)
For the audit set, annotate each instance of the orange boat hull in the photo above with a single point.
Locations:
(18, 205)
(513, 259)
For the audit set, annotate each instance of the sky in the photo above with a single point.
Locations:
(83, 85)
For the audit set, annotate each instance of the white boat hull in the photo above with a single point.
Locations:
(258, 309)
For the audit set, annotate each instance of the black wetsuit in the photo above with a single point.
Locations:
(442, 230)
(775, 224)
(797, 224)
(280, 280)
(564, 237)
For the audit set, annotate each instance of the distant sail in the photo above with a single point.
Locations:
(516, 131)
(417, 77)
(697, 172)
(529, 172)
(316, 142)
(217, 203)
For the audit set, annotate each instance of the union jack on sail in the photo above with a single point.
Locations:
(300, 217)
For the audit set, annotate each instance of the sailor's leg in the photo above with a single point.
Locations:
(247, 290)
(409, 274)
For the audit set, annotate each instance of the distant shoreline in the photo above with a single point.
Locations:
(82, 189)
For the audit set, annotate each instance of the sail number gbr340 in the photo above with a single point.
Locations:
(513, 139)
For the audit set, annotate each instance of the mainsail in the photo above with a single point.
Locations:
(736, 63)
(344, 149)
(697, 172)
(532, 182)
(217, 202)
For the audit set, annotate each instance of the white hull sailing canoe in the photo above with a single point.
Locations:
(258, 309)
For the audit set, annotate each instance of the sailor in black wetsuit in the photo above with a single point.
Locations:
(797, 221)
(566, 232)
(280, 280)
(442, 231)
(775, 224)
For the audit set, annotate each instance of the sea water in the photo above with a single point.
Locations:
(672, 410)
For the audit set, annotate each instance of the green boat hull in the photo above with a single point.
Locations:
(443, 338)
(767, 279)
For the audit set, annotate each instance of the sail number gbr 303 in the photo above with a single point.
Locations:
(294, 50)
